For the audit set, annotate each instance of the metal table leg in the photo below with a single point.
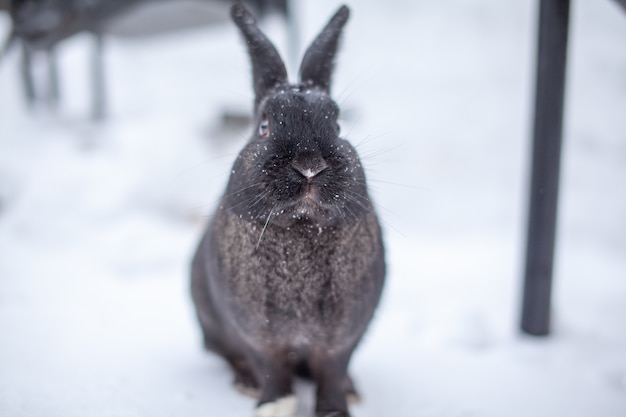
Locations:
(546, 155)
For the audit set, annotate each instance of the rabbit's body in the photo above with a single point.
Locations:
(291, 268)
(296, 292)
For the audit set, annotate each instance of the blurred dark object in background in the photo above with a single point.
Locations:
(39, 26)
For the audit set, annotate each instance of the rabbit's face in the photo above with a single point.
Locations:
(296, 168)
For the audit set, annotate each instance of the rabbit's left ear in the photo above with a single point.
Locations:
(268, 69)
(317, 64)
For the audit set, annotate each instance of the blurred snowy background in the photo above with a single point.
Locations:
(98, 221)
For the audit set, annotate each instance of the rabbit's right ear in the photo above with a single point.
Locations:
(268, 69)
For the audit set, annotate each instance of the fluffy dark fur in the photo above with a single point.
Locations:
(291, 267)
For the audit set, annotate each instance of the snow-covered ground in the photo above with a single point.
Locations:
(98, 222)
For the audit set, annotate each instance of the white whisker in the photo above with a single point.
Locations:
(264, 227)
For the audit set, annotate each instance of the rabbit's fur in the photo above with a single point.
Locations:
(291, 267)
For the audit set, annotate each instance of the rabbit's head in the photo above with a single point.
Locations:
(296, 169)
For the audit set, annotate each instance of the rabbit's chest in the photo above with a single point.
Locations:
(297, 286)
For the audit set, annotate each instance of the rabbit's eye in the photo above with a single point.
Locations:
(264, 127)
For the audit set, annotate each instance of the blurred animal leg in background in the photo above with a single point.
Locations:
(98, 78)
(8, 44)
(26, 71)
(53, 90)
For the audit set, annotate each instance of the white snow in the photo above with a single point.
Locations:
(98, 222)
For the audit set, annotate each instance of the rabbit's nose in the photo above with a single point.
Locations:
(309, 171)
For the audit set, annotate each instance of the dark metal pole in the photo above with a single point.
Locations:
(544, 186)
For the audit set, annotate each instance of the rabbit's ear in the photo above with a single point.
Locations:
(268, 69)
(317, 64)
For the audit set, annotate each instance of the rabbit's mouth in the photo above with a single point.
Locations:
(308, 208)
(309, 204)
(311, 195)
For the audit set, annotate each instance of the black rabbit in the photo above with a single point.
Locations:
(291, 267)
